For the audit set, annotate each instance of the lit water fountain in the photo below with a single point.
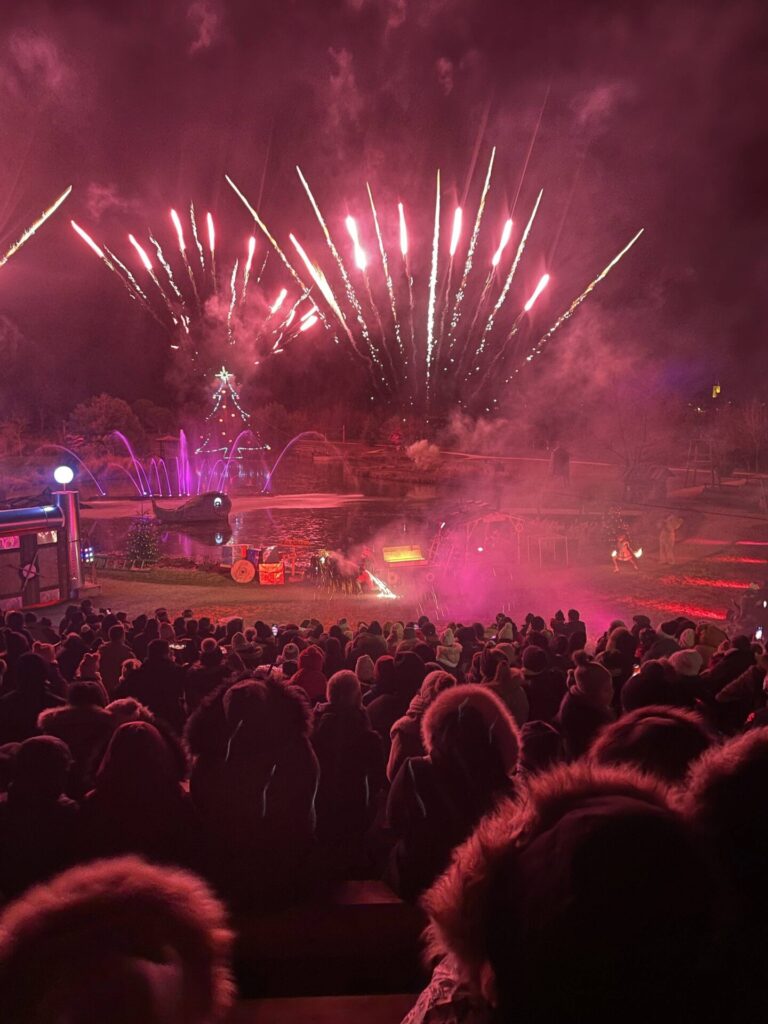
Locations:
(190, 474)
(304, 434)
(142, 479)
(76, 457)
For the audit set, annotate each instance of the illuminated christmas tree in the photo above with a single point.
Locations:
(226, 421)
(142, 543)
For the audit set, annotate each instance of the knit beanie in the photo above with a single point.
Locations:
(686, 663)
(590, 678)
(290, 652)
(687, 638)
(364, 669)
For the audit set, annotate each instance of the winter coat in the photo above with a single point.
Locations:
(20, 709)
(738, 699)
(430, 814)
(579, 722)
(405, 742)
(729, 667)
(513, 695)
(661, 647)
(384, 711)
(158, 685)
(545, 692)
(436, 801)
(351, 763)
(200, 681)
(138, 805)
(86, 731)
(371, 644)
(112, 655)
(37, 839)
(254, 786)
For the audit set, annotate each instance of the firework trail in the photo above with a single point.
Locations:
(350, 291)
(212, 246)
(33, 227)
(327, 292)
(134, 285)
(502, 349)
(325, 289)
(232, 301)
(263, 265)
(504, 242)
(387, 275)
(409, 278)
(183, 250)
(278, 301)
(536, 350)
(361, 262)
(131, 279)
(106, 260)
(455, 235)
(248, 262)
(148, 267)
(455, 231)
(543, 282)
(456, 314)
(506, 234)
(270, 238)
(90, 242)
(510, 276)
(433, 284)
(195, 235)
(167, 268)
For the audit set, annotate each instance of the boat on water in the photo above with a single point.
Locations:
(211, 507)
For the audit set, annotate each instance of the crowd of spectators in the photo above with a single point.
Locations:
(581, 817)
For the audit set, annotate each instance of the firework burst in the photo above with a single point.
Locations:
(455, 341)
(192, 300)
(430, 346)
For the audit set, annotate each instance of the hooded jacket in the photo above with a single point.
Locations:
(159, 685)
(20, 708)
(117, 940)
(472, 746)
(510, 690)
(579, 721)
(254, 784)
(351, 763)
(137, 804)
(38, 824)
(310, 676)
(448, 651)
(405, 735)
(86, 730)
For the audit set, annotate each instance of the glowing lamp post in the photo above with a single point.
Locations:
(69, 503)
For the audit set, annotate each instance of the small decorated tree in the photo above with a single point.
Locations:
(142, 543)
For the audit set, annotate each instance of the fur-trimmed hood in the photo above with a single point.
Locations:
(448, 708)
(461, 903)
(118, 940)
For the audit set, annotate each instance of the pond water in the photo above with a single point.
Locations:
(350, 510)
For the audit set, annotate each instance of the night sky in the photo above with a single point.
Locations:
(651, 115)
